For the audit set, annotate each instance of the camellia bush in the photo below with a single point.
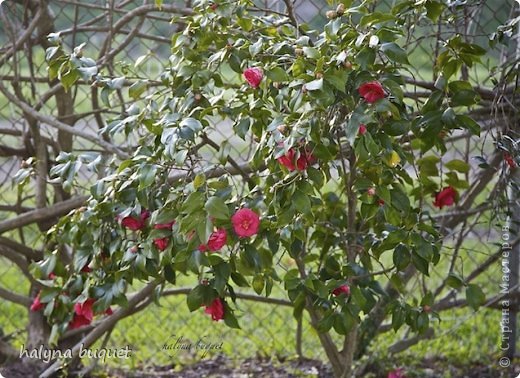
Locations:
(344, 179)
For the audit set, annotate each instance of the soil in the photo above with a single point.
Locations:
(223, 367)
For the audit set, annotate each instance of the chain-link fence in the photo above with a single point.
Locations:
(136, 37)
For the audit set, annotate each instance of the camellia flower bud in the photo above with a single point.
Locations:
(340, 10)
(331, 15)
(282, 128)
(253, 76)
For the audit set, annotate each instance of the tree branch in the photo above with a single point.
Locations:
(26, 108)
(37, 215)
(15, 298)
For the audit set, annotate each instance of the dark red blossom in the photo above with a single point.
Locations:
(290, 162)
(372, 91)
(36, 304)
(135, 223)
(215, 309)
(216, 241)
(343, 289)
(83, 314)
(245, 222)
(446, 197)
(161, 243)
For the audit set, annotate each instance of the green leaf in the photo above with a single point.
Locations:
(475, 296)
(316, 176)
(325, 323)
(394, 52)
(401, 257)
(454, 280)
(222, 272)
(277, 74)
(147, 175)
(192, 124)
(229, 317)
(468, 123)
(255, 48)
(423, 322)
(311, 52)
(216, 207)
(301, 202)
(420, 263)
(199, 180)
(462, 93)
(69, 79)
(433, 9)
(398, 317)
(239, 279)
(314, 85)
(366, 57)
(457, 165)
(169, 273)
(258, 283)
(200, 295)
(400, 200)
(137, 89)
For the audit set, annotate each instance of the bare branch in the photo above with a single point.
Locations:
(26, 108)
(15, 298)
(23, 38)
(38, 215)
(403, 345)
(29, 253)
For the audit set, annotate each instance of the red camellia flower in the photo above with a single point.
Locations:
(109, 311)
(305, 159)
(161, 243)
(245, 222)
(509, 160)
(446, 197)
(215, 309)
(133, 223)
(83, 314)
(397, 373)
(343, 289)
(381, 202)
(36, 304)
(52, 275)
(372, 91)
(362, 129)
(254, 76)
(216, 241)
(164, 226)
